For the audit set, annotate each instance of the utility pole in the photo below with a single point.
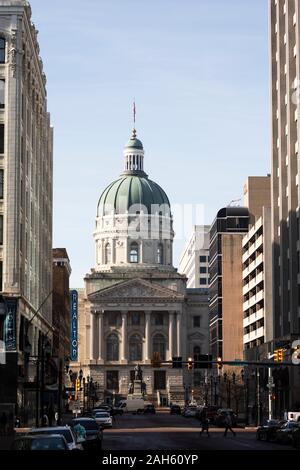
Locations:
(270, 387)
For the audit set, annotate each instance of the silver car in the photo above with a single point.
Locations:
(103, 419)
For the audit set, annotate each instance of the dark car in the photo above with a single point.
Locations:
(149, 409)
(284, 434)
(40, 442)
(210, 412)
(267, 432)
(94, 433)
(175, 410)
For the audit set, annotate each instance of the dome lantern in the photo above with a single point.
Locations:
(134, 156)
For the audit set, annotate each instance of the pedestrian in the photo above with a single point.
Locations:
(204, 423)
(3, 423)
(228, 424)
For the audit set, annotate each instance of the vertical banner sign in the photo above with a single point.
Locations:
(10, 333)
(74, 324)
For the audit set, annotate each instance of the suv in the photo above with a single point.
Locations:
(93, 433)
(175, 410)
(65, 431)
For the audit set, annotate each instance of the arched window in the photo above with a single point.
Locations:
(2, 51)
(112, 347)
(107, 253)
(159, 346)
(160, 254)
(134, 253)
(135, 348)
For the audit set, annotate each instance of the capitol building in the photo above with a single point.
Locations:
(135, 305)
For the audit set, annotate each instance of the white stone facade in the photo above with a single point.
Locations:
(26, 165)
(136, 305)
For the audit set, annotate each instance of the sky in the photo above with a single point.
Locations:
(199, 73)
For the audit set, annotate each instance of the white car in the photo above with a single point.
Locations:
(103, 419)
(65, 431)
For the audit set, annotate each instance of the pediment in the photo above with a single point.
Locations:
(197, 336)
(137, 290)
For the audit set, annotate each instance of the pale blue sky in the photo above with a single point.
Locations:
(198, 70)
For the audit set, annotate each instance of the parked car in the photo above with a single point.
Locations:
(40, 442)
(284, 434)
(149, 409)
(175, 410)
(65, 431)
(211, 412)
(190, 411)
(94, 433)
(267, 432)
(296, 436)
(103, 418)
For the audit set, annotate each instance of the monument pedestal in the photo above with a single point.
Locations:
(137, 389)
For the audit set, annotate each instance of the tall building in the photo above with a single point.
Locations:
(135, 308)
(284, 22)
(25, 206)
(194, 260)
(61, 316)
(257, 268)
(225, 268)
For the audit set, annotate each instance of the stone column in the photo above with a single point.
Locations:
(179, 333)
(147, 336)
(171, 335)
(100, 336)
(124, 338)
(92, 336)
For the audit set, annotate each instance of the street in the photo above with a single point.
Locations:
(164, 431)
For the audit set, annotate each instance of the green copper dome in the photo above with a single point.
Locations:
(131, 190)
(134, 143)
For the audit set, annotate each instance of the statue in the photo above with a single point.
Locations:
(138, 374)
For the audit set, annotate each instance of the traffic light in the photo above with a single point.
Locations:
(78, 385)
(280, 355)
(275, 356)
(219, 363)
(177, 362)
(190, 363)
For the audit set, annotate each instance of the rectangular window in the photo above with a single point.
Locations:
(159, 380)
(1, 183)
(135, 319)
(1, 229)
(112, 380)
(1, 138)
(202, 259)
(159, 319)
(196, 321)
(203, 270)
(2, 51)
(2, 93)
(203, 281)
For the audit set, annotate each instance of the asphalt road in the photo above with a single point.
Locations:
(166, 432)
